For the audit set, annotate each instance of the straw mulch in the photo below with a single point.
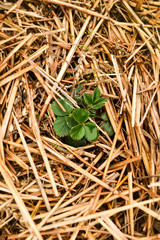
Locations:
(108, 189)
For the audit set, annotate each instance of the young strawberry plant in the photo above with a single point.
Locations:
(75, 123)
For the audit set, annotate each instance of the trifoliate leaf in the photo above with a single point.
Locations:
(96, 94)
(91, 131)
(77, 132)
(75, 143)
(99, 103)
(80, 115)
(104, 116)
(88, 99)
(60, 126)
(71, 122)
(58, 111)
(106, 126)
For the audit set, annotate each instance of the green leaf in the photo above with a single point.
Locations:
(60, 126)
(70, 122)
(96, 94)
(88, 99)
(77, 132)
(81, 102)
(92, 112)
(106, 126)
(80, 115)
(58, 111)
(104, 116)
(91, 131)
(99, 103)
(75, 143)
(77, 90)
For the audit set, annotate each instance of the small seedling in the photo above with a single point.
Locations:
(74, 123)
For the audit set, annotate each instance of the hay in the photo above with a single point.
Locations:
(108, 189)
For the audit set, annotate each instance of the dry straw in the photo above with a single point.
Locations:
(108, 189)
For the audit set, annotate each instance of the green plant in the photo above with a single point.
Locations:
(75, 123)
(94, 101)
(106, 125)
